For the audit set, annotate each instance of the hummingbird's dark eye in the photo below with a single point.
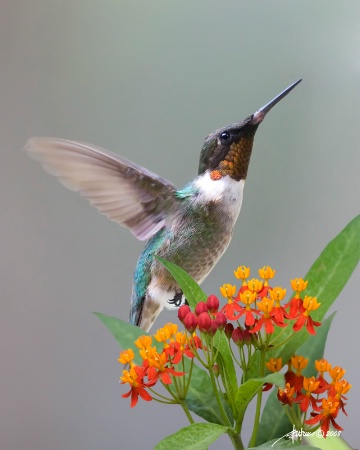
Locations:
(225, 136)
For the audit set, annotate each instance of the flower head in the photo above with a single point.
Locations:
(242, 273)
(127, 356)
(328, 414)
(309, 304)
(135, 378)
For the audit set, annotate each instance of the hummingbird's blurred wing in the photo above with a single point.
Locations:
(126, 193)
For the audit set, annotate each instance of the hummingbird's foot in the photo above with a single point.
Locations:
(177, 300)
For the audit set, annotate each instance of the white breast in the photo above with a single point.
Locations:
(225, 190)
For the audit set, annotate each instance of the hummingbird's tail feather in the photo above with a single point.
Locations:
(145, 315)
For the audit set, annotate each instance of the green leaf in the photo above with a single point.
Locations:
(200, 397)
(330, 443)
(125, 333)
(195, 437)
(227, 369)
(274, 422)
(192, 291)
(327, 277)
(248, 390)
(193, 294)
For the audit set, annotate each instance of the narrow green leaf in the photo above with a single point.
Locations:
(327, 277)
(227, 369)
(125, 333)
(274, 422)
(192, 291)
(248, 390)
(195, 437)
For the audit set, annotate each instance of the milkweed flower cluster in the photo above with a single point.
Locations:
(315, 396)
(156, 365)
(251, 322)
(260, 304)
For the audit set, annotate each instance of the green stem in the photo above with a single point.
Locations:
(186, 411)
(236, 440)
(218, 399)
(186, 387)
(258, 403)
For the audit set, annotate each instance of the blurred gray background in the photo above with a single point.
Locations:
(149, 80)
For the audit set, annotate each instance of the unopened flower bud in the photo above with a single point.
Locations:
(229, 328)
(220, 320)
(237, 336)
(201, 308)
(204, 322)
(213, 328)
(247, 336)
(190, 322)
(212, 303)
(216, 370)
(182, 312)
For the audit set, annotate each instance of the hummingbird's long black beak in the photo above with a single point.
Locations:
(259, 116)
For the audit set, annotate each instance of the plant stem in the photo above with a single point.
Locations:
(236, 440)
(258, 403)
(218, 399)
(186, 411)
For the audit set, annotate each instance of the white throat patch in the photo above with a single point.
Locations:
(225, 190)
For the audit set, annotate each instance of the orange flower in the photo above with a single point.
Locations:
(322, 366)
(299, 363)
(286, 396)
(274, 364)
(127, 356)
(309, 304)
(296, 379)
(242, 273)
(166, 334)
(134, 377)
(255, 285)
(143, 342)
(267, 273)
(178, 348)
(296, 303)
(341, 388)
(231, 309)
(310, 386)
(159, 370)
(336, 373)
(248, 298)
(278, 294)
(267, 318)
(330, 409)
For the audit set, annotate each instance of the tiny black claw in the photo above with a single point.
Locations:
(177, 300)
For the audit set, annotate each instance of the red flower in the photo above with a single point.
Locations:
(309, 304)
(330, 409)
(296, 307)
(308, 322)
(232, 310)
(135, 378)
(159, 370)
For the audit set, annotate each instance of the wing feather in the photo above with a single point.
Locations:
(125, 192)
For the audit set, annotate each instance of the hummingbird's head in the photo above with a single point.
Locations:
(227, 151)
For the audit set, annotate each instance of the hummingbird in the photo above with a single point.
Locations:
(191, 227)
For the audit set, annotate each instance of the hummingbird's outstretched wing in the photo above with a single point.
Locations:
(125, 192)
